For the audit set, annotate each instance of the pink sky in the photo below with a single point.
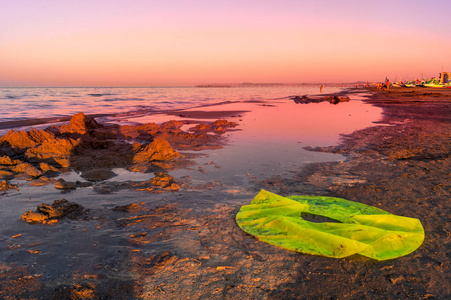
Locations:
(160, 43)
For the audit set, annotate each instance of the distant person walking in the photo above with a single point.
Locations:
(387, 83)
(321, 89)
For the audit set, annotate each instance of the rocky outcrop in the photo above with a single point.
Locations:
(49, 214)
(93, 149)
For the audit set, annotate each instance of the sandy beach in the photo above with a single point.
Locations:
(159, 230)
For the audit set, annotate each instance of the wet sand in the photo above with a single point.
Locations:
(186, 245)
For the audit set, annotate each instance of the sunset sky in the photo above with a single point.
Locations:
(181, 42)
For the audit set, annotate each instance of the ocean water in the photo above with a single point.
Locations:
(18, 104)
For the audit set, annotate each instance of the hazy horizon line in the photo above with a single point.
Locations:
(212, 84)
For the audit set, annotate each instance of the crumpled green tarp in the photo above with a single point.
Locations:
(364, 229)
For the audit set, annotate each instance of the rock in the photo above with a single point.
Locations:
(165, 181)
(331, 99)
(49, 214)
(48, 169)
(303, 99)
(55, 148)
(175, 187)
(34, 217)
(132, 207)
(98, 174)
(27, 169)
(219, 126)
(335, 99)
(223, 123)
(172, 125)
(162, 180)
(7, 161)
(79, 123)
(42, 181)
(24, 139)
(158, 150)
(202, 127)
(6, 186)
(61, 184)
(6, 175)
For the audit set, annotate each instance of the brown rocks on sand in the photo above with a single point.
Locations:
(165, 181)
(5, 186)
(219, 126)
(336, 99)
(98, 174)
(49, 214)
(161, 181)
(62, 184)
(331, 99)
(94, 149)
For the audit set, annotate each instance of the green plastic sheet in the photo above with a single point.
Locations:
(361, 229)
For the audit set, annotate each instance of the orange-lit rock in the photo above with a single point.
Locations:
(62, 184)
(7, 161)
(5, 186)
(27, 169)
(52, 148)
(80, 123)
(4, 174)
(49, 214)
(158, 150)
(24, 139)
(47, 168)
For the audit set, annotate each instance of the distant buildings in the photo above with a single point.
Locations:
(445, 77)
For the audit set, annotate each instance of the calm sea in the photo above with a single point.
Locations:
(36, 103)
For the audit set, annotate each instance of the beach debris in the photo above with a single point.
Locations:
(361, 229)
(49, 214)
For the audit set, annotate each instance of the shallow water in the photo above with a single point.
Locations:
(273, 135)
